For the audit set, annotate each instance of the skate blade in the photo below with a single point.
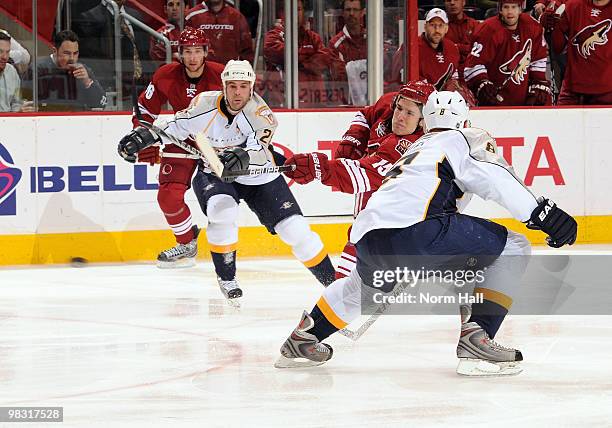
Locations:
(482, 368)
(234, 303)
(179, 264)
(289, 363)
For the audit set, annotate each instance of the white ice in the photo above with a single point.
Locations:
(130, 345)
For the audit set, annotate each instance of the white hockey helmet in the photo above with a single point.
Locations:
(445, 110)
(238, 70)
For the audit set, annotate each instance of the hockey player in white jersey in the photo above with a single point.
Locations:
(414, 214)
(239, 125)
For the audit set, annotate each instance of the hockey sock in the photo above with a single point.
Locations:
(225, 265)
(324, 271)
(488, 315)
(322, 328)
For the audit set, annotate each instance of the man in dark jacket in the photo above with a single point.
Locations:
(64, 84)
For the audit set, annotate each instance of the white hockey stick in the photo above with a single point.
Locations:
(202, 143)
(354, 335)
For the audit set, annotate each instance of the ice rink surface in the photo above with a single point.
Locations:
(134, 346)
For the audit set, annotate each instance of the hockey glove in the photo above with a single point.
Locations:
(138, 139)
(486, 93)
(560, 227)
(308, 166)
(150, 155)
(234, 159)
(347, 149)
(539, 94)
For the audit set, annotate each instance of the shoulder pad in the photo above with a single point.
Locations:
(482, 145)
(259, 114)
(207, 100)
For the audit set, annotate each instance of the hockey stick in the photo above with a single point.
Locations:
(354, 335)
(548, 37)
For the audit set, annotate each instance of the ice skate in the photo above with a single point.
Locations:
(480, 355)
(303, 349)
(230, 289)
(181, 255)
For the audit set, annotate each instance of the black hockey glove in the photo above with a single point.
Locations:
(560, 227)
(486, 93)
(138, 139)
(234, 159)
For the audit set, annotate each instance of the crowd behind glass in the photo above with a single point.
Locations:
(76, 66)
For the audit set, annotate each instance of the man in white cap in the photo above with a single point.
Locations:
(438, 58)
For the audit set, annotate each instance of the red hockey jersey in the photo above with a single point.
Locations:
(461, 31)
(508, 58)
(434, 64)
(157, 49)
(228, 31)
(171, 84)
(344, 49)
(364, 176)
(586, 30)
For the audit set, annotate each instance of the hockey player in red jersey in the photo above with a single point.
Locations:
(584, 29)
(398, 124)
(507, 64)
(178, 84)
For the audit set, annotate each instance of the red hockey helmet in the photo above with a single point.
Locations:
(193, 37)
(415, 90)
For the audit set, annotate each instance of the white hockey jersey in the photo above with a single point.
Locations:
(251, 129)
(426, 180)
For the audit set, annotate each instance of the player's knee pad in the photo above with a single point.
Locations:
(344, 297)
(222, 213)
(505, 273)
(295, 231)
(171, 198)
(516, 245)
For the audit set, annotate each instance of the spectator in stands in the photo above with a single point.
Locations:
(584, 29)
(175, 11)
(507, 64)
(95, 28)
(10, 83)
(19, 57)
(227, 29)
(438, 58)
(314, 60)
(64, 84)
(460, 29)
(349, 49)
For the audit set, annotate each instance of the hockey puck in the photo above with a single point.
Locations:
(78, 262)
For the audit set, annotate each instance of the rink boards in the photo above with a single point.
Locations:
(64, 191)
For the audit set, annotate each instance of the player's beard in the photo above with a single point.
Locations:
(193, 69)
